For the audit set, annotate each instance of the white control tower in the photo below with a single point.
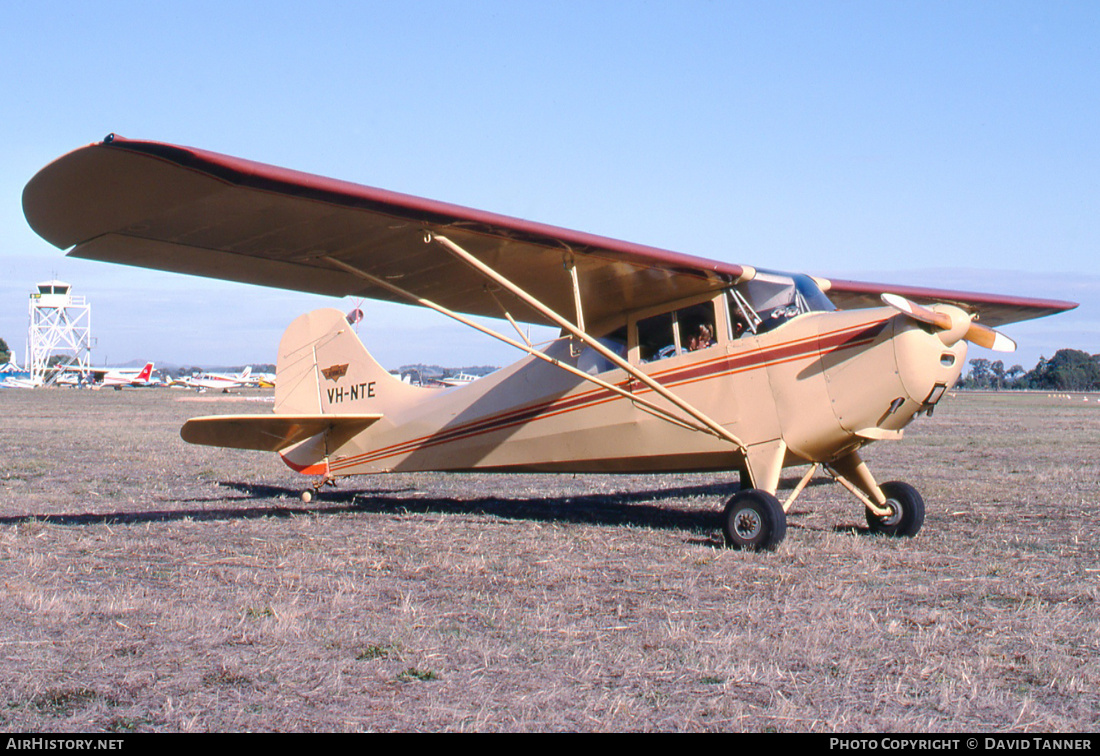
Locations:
(60, 324)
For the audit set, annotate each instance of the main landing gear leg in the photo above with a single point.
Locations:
(754, 519)
(894, 508)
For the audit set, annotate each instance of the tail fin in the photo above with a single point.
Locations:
(323, 368)
(146, 372)
(245, 373)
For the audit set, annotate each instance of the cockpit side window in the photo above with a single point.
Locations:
(696, 324)
(678, 332)
(743, 318)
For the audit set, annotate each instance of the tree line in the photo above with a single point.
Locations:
(1067, 370)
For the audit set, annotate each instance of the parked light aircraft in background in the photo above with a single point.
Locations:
(20, 382)
(116, 378)
(458, 379)
(220, 381)
(262, 380)
(665, 362)
(13, 376)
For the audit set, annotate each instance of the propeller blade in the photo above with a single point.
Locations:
(939, 319)
(982, 335)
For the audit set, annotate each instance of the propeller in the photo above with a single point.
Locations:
(949, 318)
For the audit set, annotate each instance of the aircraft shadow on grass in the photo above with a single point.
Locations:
(627, 508)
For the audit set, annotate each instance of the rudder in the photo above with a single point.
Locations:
(323, 368)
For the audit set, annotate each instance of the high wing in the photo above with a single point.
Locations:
(180, 209)
(992, 309)
(189, 211)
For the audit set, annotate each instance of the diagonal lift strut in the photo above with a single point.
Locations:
(705, 423)
(587, 339)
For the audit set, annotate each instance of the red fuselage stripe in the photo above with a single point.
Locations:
(723, 365)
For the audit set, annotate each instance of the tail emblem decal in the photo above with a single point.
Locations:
(335, 372)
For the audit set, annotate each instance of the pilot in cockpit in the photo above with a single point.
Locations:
(702, 339)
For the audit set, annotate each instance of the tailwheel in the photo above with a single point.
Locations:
(906, 511)
(311, 493)
(754, 520)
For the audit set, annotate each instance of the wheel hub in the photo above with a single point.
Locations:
(895, 513)
(747, 524)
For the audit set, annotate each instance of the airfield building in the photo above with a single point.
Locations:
(60, 324)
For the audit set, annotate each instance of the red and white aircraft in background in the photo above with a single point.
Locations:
(119, 377)
(112, 377)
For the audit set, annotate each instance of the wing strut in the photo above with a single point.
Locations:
(572, 268)
(664, 414)
(588, 340)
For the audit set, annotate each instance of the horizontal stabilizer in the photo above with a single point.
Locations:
(270, 432)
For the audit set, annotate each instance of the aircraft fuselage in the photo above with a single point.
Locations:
(823, 383)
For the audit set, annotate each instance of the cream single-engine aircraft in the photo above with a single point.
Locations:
(664, 363)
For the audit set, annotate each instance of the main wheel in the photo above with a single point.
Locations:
(754, 520)
(906, 511)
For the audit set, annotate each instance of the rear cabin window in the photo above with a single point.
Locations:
(592, 362)
(656, 337)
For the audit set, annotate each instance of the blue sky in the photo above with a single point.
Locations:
(947, 144)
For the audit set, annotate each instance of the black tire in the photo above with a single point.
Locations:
(754, 520)
(908, 511)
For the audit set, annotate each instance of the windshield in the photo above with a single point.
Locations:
(771, 299)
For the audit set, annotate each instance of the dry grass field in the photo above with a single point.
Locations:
(149, 585)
